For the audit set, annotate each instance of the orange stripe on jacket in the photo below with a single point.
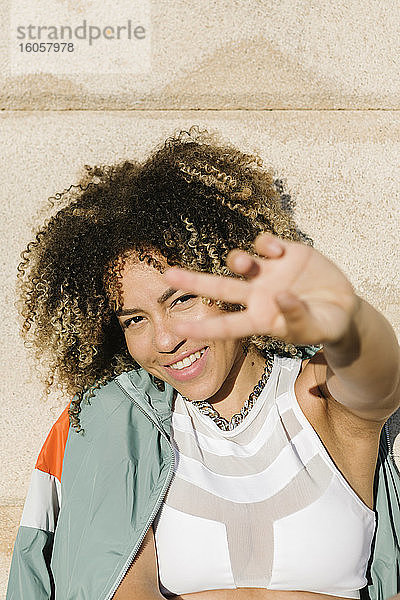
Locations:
(50, 459)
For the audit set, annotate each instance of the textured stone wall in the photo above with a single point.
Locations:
(313, 88)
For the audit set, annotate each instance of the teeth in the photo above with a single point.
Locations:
(188, 360)
(177, 365)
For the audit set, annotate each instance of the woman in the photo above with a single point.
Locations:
(221, 455)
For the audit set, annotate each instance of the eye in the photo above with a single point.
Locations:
(131, 320)
(184, 298)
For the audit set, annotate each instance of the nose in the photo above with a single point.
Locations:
(165, 340)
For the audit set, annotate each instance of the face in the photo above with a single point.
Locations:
(198, 369)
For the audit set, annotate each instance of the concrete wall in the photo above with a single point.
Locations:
(312, 87)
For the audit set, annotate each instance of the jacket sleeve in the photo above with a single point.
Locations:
(384, 566)
(30, 573)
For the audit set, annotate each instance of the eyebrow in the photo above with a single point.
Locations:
(163, 298)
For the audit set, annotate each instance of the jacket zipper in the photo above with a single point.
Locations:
(388, 442)
(157, 505)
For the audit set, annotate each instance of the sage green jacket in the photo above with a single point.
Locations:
(94, 496)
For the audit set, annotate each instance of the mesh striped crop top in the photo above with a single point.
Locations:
(260, 506)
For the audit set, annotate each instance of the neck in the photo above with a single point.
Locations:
(244, 375)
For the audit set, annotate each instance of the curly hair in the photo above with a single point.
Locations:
(190, 202)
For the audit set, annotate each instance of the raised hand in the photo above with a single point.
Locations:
(290, 291)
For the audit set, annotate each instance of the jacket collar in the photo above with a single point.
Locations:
(156, 403)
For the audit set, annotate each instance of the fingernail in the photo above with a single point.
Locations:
(275, 246)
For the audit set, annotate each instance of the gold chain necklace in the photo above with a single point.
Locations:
(208, 409)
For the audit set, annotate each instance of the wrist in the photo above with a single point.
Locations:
(347, 347)
(346, 338)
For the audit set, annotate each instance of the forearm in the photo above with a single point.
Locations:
(364, 365)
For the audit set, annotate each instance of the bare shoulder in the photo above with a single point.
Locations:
(321, 407)
(352, 442)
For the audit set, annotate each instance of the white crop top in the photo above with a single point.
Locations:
(261, 506)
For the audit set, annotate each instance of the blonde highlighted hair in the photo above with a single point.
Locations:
(190, 202)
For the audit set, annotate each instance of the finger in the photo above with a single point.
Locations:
(242, 263)
(269, 246)
(299, 323)
(209, 286)
(227, 326)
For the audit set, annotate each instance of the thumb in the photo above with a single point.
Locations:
(299, 323)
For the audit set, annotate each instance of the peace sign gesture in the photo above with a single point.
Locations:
(290, 291)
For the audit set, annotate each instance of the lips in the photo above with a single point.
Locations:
(188, 372)
(184, 355)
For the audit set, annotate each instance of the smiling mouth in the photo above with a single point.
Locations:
(188, 360)
(190, 367)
